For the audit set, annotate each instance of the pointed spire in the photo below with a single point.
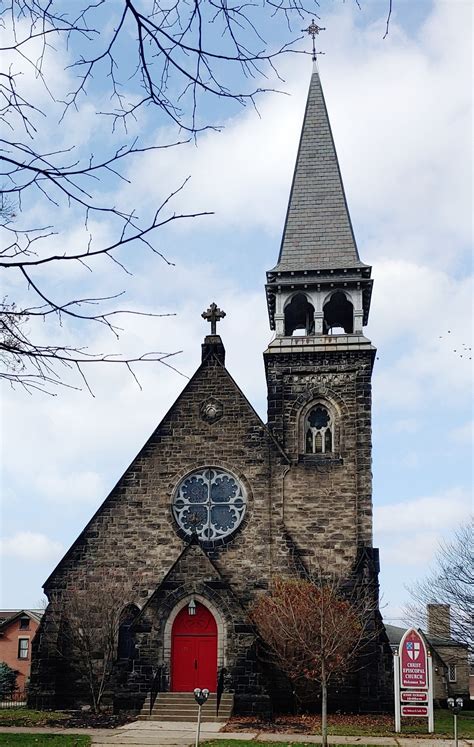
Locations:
(318, 232)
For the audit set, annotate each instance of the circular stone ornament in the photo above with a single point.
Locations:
(209, 502)
(211, 410)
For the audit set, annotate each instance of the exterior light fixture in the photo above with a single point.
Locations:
(192, 606)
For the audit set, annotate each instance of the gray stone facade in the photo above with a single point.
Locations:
(297, 510)
(330, 509)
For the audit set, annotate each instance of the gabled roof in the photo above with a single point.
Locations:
(194, 549)
(318, 232)
(9, 616)
(213, 357)
(395, 635)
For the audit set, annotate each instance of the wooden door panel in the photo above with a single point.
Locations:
(184, 661)
(206, 674)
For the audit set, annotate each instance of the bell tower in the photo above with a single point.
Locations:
(319, 364)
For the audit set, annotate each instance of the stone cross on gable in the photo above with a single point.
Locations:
(213, 315)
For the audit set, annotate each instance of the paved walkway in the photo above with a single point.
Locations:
(161, 734)
(177, 734)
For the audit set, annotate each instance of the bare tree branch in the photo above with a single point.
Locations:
(140, 55)
(87, 624)
(450, 582)
(315, 629)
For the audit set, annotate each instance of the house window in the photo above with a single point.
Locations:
(23, 648)
(452, 672)
(24, 623)
(319, 429)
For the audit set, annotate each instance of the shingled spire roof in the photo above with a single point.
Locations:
(318, 232)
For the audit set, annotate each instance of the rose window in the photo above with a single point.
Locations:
(210, 502)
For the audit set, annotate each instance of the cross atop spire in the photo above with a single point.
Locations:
(213, 315)
(313, 30)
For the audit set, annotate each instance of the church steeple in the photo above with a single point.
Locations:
(318, 250)
(318, 231)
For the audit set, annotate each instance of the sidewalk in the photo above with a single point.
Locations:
(161, 734)
(177, 734)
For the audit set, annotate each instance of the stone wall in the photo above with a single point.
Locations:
(298, 512)
(134, 533)
(327, 500)
(445, 655)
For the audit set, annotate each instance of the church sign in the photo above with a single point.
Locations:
(413, 661)
(413, 675)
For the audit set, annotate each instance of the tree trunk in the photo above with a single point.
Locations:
(324, 706)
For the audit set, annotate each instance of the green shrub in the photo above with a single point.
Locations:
(7, 680)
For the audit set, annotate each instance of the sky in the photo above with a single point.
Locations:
(400, 110)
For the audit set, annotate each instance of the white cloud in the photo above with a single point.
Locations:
(105, 432)
(405, 156)
(409, 531)
(31, 546)
(463, 434)
(431, 512)
(417, 549)
(245, 170)
(406, 425)
(426, 313)
(72, 486)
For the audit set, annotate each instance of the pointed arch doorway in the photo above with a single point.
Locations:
(194, 650)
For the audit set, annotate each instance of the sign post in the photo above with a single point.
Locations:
(413, 680)
(396, 689)
(430, 694)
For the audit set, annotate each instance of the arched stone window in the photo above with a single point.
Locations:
(319, 431)
(338, 315)
(299, 316)
(125, 643)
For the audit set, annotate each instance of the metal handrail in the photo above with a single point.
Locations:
(154, 690)
(220, 687)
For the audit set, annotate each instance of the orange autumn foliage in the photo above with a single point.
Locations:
(310, 631)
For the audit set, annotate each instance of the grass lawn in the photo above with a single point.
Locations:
(351, 725)
(45, 740)
(383, 726)
(27, 717)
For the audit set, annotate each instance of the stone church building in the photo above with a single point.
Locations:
(217, 502)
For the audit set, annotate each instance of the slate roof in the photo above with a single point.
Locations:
(395, 635)
(8, 616)
(318, 232)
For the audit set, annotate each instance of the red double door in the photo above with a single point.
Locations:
(194, 650)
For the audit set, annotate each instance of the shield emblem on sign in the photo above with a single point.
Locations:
(413, 649)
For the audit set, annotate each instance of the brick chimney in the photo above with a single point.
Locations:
(439, 620)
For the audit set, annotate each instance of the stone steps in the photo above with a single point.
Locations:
(183, 707)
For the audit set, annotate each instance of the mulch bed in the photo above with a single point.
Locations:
(87, 720)
(309, 723)
(70, 719)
